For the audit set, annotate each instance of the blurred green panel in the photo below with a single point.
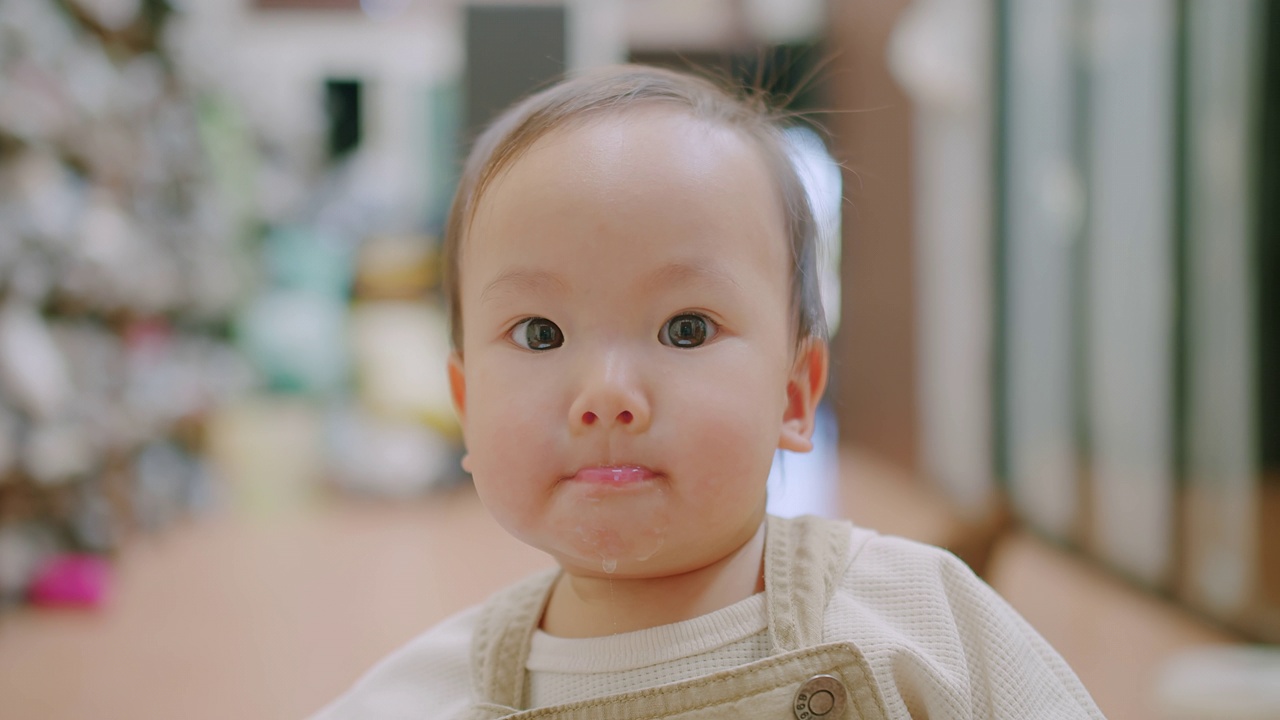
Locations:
(1222, 474)
(1130, 285)
(1043, 217)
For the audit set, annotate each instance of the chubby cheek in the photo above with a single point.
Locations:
(513, 445)
(724, 454)
(728, 442)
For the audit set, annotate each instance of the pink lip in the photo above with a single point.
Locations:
(614, 474)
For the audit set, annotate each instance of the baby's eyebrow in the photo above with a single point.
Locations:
(682, 272)
(676, 273)
(525, 280)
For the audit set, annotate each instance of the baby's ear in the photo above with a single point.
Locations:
(458, 386)
(805, 384)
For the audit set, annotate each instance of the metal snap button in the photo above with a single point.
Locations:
(821, 696)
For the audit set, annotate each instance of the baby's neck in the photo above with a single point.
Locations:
(588, 606)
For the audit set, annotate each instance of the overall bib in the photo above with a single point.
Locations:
(803, 679)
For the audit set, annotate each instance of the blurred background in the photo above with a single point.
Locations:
(229, 474)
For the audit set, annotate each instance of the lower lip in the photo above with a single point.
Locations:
(625, 475)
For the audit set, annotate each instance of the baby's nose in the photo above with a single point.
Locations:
(612, 398)
(624, 418)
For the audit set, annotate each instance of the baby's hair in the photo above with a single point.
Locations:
(617, 89)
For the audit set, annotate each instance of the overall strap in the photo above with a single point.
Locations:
(503, 634)
(803, 562)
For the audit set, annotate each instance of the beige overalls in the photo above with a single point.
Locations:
(804, 678)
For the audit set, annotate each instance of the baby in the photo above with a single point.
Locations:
(636, 331)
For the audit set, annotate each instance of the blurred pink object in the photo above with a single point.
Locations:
(70, 580)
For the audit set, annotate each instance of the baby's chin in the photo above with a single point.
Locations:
(591, 530)
(623, 569)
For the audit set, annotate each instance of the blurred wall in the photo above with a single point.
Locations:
(873, 378)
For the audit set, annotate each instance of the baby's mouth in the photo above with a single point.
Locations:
(614, 474)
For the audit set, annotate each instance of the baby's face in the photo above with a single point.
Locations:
(624, 375)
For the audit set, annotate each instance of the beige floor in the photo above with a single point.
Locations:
(235, 617)
(263, 616)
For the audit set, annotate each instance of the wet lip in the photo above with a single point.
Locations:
(614, 474)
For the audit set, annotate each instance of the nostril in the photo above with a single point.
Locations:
(588, 418)
(624, 417)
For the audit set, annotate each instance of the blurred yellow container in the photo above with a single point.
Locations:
(270, 450)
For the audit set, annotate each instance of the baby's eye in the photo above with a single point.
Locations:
(537, 334)
(687, 330)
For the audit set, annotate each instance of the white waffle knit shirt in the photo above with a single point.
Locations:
(939, 641)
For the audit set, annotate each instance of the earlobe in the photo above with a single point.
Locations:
(458, 386)
(458, 389)
(805, 386)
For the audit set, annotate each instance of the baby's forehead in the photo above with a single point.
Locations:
(652, 125)
(643, 176)
(647, 116)
(650, 149)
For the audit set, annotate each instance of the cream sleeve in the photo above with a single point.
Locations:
(942, 643)
(428, 677)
